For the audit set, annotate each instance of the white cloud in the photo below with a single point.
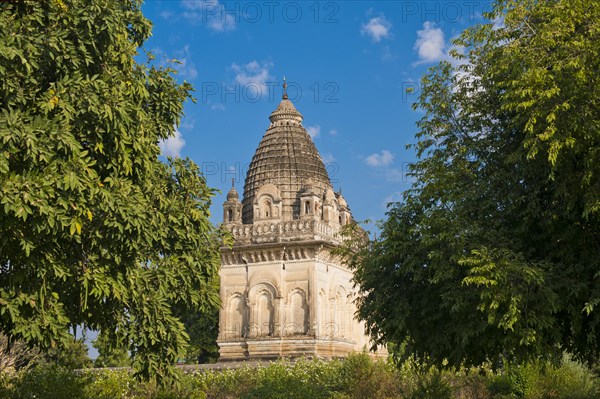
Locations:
(498, 23)
(172, 146)
(387, 54)
(185, 66)
(187, 123)
(377, 28)
(253, 76)
(179, 60)
(313, 131)
(217, 107)
(384, 158)
(333, 132)
(168, 15)
(327, 158)
(431, 44)
(394, 175)
(394, 197)
(211, 13)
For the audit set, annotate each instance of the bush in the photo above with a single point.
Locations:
(50, 381)
(73, 355)
(305, 379)
(358, 376)
(432, 386)
(361, 377)
(108, 384)
(15, 354)
(228, 383)
(569, 381)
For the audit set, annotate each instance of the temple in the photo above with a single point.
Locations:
(284, 293)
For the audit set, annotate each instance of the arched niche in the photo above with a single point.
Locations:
(341, 314)
(263, 278)
(262, 312)
(265, 312)
(237, 316)
(266, 209)
(267, 202)
(298, 313)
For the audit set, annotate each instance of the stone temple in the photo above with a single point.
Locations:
(283, 292)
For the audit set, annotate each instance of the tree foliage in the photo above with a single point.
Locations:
(203, 329)
(495, 250)
(71, 356)
(94, 229)
(110, 353)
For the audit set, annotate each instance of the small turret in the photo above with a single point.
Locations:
(232, 208)
(345, 217)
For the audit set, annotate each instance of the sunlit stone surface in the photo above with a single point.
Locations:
(284, 294)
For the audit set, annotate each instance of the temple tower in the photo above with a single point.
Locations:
(284, 294)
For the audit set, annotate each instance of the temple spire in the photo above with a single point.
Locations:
(285, 96)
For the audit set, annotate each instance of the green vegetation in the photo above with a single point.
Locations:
(357, 377)
(95, 231)
(491, 259)
(109, 354)
(203, 329)
(71, 356)
(493, 254)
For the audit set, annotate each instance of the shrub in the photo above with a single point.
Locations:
(282, 380)
(15, 354)
(470, 383)
(432, 386)
(501, 385)
(358, 376)
(72, 355)
(569, 381)
(228, 383)
(362, 377)
(108, 384)
(49, 381)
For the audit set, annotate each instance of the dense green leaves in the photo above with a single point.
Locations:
(203, 329)
(110, 354)
(494, 251)
(94, 230)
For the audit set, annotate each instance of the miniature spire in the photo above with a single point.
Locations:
(285, 96)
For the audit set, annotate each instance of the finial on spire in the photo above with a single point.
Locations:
(232, 182)
(285, 96)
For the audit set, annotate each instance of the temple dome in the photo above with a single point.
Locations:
(287, 158)
(341, 201)
(286, 112)
(232, 195)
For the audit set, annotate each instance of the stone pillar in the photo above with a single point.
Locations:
(251, 319)
(277, 317)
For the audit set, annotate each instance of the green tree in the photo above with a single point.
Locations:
(110, 353)
(203, 329)
(94, 229)
(71, 356)
(494, 252)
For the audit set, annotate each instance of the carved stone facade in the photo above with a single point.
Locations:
(284, 294)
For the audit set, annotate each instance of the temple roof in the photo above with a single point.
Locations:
(286, 112)
(287, 158)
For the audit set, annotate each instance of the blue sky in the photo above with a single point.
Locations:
(347, 64)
